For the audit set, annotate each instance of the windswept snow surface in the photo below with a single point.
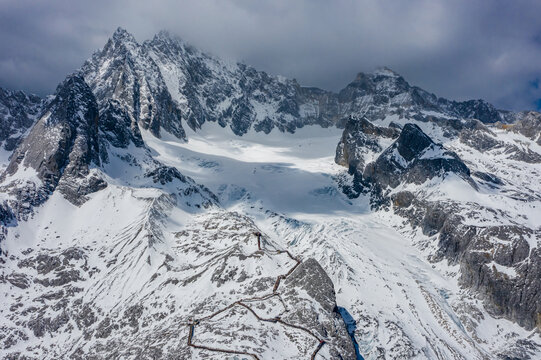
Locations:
(402, 304)
(286, 173)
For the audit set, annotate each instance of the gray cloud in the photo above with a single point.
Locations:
(460, 49)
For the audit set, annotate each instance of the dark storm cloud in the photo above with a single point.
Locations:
(457, 49)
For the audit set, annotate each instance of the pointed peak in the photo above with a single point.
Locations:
(165, 39)
(412, 141)
(72, 79)
(382, 72)
(410, 129)
(73, 89)
(120, 31)
(123, 35)
(385, 71)
(164, 36)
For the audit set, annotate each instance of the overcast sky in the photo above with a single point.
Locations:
(456, 49)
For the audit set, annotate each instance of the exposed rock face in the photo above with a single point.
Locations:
(117, 127)
(69, 123)
(18, 112)
(528, 124)
(127, 84)
(495, 261)
(361, 135)
(478, 109)
(511, 293)
(319, 310)
(58, 151)
(485, 140)
(414, 158)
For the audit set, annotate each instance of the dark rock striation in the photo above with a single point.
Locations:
(18, 112)
(319, 309)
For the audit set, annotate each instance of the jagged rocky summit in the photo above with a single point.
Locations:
(165, 83)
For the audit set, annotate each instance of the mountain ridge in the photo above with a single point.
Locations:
(206, 88)
(374, 94)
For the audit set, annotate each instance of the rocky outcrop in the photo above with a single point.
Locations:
(507, 274)
(528, 123)
(359, 137)
(414, 158)
(58, 151)
(496, 261)
(311, 291)
(485, 140)
(477, 109)
(116, 126)
(18, 112)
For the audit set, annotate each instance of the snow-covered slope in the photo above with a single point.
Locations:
(164, 203)
(106, 249)
(478, 205)
(131, 278)
(404, 305)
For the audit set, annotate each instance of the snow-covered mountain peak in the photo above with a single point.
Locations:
(121, 44)
(166, 37)
(385, 71)
(122, 35)
(165, 203)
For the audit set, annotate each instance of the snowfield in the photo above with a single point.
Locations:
(285, 184)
